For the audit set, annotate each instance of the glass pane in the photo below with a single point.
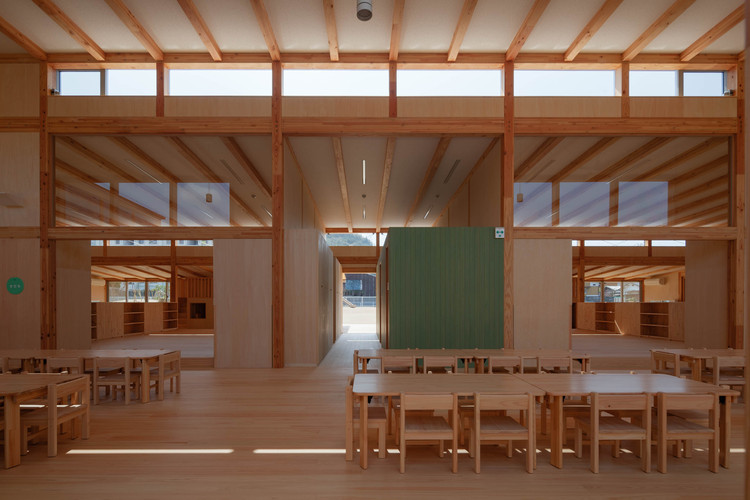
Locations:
(612, 291)
(131, 82)
(668, 243)
(532, 204)
(158, 291)
(97, 243)
(631, 291)
(564, 83)
(584, 204)
(195, 243)
(203, 204)
(136, 291)
(615, 243)
(592, 291)
(116, 291)
(335, 82)
(217, 82)
(80, 82)
(703, 83)
(643, 204)
(139, 243)
(653, 83)
(418, 82)
(350, 239)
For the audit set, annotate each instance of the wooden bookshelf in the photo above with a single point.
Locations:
(93, 320)
(663, 320)
(605, 317)
(133, 318)
(170, 316)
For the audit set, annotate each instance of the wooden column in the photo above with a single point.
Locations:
(738, 247)
(392, 95)
(277, 260)
(622, 88)
(581, 284)
(173, 271)
(741, 107)
(160, 86)
(507, 181)
(48, 339)
(614, 202)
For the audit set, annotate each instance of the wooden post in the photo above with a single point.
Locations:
(739, 249)
(507, 181)
(392, 95)
(277, 259)
(173, 271)
(581, 290)
(48, 338)
(160, 86)
(622, 88)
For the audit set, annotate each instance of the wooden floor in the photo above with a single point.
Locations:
(279, 434)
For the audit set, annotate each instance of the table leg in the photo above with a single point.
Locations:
(363, 446)
(145, 381)
(12, 432)
(557, 434)
(725, 429)
(696, 369)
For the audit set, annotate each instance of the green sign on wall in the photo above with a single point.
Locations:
(14, 285)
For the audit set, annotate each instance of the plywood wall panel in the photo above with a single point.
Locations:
(683, 107)
(628, 318)
(585, 316)
(669, 291)
(293, 190)
(153, 315)
(242, 303)
(19, 177)
(600, 107)
(217, 106)
(458, 212)
(73, 268)
(706, 294)
(300, 297)
(20, 325)
(336, 106)
(110, 319)
(102, 106)
(485, 196)
(325, 298)
(20, 90)
(454, 107)
(542, 294)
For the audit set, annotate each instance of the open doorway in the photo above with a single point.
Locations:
(358, 303)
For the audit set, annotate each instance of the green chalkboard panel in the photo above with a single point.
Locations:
(445, 288)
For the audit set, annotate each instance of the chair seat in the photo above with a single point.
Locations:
(429, 424)
(64, 412)
(614, 425)
(501, 425)
(373, 413)
(678, 425)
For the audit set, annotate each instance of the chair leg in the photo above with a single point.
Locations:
(579, 442)
(381, 441)
(713, 454)
(402, 455)
(454, 451)
(509, 449)
(441, 448)
(595, 456)
(661, 449)
(616, 449)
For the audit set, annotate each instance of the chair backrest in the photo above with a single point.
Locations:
(440, 361)
(709, 401)
(554, 363)
(665, 362)
(4, 368)
(63, 364)
(446, 401)
(509, 363)
(110, 364)
(355, 361)
(735, 365)
(170, 362)
(606, 402)
(492, 401)
(397, 363)
(71, 392)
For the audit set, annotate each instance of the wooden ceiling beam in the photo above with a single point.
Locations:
(297, 163)
(714, 34)
(246, 164)
(201, 28)
(99, 195)
(264, 22)
(596, 22)
(95, 157)
(717, 220)
(687, 207)
(711, 166)
(437, 157)
(204, 169)
(128, 146)
(81, 215)
(331, 31)
(615, 170)
(526, 28)
(22, 40)
(147, 273)
(721, 180)
(667, 18)
(584, 158)
(538, 155)
(396, 27)
(390, 149)
(136, 28)
(338, 153)
(71, 28)
(461, 27)
(696, 216)
(683, 157)
(149, 260)
(643, 260)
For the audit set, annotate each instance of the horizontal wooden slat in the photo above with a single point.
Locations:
(628, 233)
(20, 232)
(158, 233)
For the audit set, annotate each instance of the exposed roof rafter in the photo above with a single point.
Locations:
(437, 157)
(264, 22)
(396, 27)
(463, 24)
(19, 38)
(591, 28)
(201, 28)
(538, 155)
(136, 28)
(247, 165)
(333, 37)
(667, 18)
(390, 149)
(338, 153)
(714, 33)
(526, 28)
(66, 23)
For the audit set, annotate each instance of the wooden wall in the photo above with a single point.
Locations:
(669, 291)
(20, 90)
(73, 268)
(19, 177)
(242, 303)
(706, 294)
(153, 317)
(338, 294)
(542, 293)
(21, 314)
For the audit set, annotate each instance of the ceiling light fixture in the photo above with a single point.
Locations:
(364, 10)
(428, 212)
(450, 173)
(269, 213)
(364, 172)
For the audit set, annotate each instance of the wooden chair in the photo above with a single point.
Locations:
(376, 419)
(423, 427)
(674, 428)
(439, 364)
(504, 364)
(606, 427)
(668, 363)
(503, 428)
(727, 371)
(115, 373)
(63, 365)
(66, 402)
(397, 364)
(554, 364)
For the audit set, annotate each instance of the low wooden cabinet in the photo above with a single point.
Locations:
(663, 319)
(117, 319)
(648, 319)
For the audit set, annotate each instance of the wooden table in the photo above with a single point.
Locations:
(559, 385)
(696, 358)
(146, 358)
(478, 355)
(15, 389)
(463, 384)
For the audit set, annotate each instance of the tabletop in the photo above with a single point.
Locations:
(463, 384)
(82, 353)
(468, 353)
(703, 353)
(12, 384)
(576, 384)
